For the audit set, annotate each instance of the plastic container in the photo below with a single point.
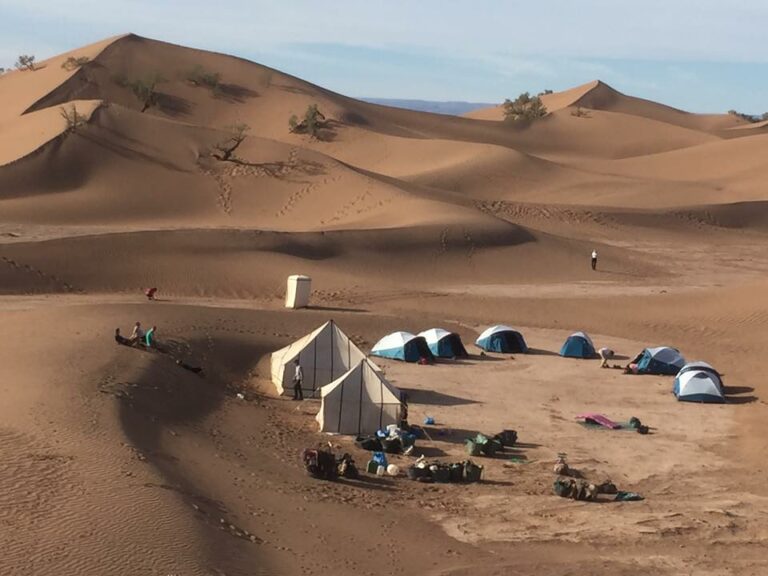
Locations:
(441, 474)
(472, 472)
(380, 471)
(371, 467)
(393, 470)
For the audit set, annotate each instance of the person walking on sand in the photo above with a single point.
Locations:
(298, 379)
(594, 259)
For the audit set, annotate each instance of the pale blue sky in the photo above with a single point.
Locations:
(701, 55)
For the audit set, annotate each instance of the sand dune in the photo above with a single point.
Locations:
(118, 460)
(597, 95)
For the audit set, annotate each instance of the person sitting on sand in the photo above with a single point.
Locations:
(120, 339)
(137, 334)
(630, 368)
(150, 293)
(149, 337)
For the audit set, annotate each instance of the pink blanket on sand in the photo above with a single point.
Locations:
(598, 419)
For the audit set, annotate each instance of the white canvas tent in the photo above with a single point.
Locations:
(324, 355)
(359, 402)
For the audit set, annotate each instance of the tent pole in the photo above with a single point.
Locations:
(341, 406)
(360, 403)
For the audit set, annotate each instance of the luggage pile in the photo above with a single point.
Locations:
(455, 472)
(324, 465)
(482, 445)
(393, 440)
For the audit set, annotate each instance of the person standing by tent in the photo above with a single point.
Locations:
(594, 259)
(298, 379)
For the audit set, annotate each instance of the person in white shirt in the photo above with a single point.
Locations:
(298, 378)
(137, 334)
(594, 259)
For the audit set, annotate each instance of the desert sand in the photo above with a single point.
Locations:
(117, 461)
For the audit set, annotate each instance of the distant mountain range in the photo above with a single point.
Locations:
(450, 108)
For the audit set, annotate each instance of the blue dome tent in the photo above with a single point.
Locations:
(444, 344)
(693, 385)
(662, 360)
(502, 338)
(403, 346)
(578, 345)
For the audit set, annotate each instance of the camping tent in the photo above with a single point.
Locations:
(698, 386)
(661, 360)
(359, 402)
(324, 355)
(501, 338)
(403, 346)
(578, 345)
(699, 365)
(444, 344)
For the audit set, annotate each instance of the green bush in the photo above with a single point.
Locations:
(73, 63)
(524, 108)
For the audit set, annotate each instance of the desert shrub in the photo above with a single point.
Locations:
(225, 149)
(73, 63)
(72, 117)
(545, 92)
(524, 107)
(199, 76)
(144, 89)
(26, 62)
(579, 112)
(311, 124)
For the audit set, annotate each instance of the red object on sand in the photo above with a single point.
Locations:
(599, 419)
(150, 293)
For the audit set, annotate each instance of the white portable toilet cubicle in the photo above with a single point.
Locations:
(298, 290)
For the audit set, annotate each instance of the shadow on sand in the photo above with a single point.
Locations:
(434, 398)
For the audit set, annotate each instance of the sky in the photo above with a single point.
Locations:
(699, 55)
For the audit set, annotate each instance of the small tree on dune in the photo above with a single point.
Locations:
(311, 124)
(199, 76)
(547, 91)
(524, 108)
(144, 89)
(26, 62)
(73, 118)
(73, 63)
(764, 116)
(225, 149)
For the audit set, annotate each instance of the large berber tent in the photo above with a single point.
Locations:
(502, 338)
(578, 345)
(444, 344)
(359, 402)
(324, 355)
(403, 346)
(661, 360)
